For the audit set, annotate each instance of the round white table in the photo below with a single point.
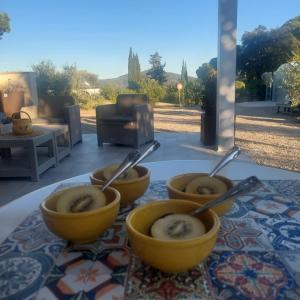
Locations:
(13, 213)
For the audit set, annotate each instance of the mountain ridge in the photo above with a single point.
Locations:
(122, 81)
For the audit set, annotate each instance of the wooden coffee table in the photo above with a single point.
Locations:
(62, 144)
(28, 156)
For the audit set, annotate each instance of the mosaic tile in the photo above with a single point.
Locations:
(156, 190)
(283, 234)
(273, 206)
(29, 245)
(292, 261)
(238, 210)
(242, 266)
(22, 275)
(145, 282)
(250, 275)
(86, 275)
(288, 188)
(241, 234)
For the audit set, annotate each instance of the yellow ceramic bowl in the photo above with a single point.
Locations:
(130, 190)
(170, 256)
(81, 227)
(177, 184)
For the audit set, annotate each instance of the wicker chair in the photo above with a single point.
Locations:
(128, 122)
(57, 110)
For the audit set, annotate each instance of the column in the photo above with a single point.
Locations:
(227, 19)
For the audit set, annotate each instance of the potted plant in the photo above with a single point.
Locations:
(12, 98)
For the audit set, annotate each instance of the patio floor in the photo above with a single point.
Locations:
(88, 156)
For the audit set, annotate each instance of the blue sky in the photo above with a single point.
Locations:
(97, 34)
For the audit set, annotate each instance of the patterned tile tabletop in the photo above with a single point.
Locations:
(257, 256)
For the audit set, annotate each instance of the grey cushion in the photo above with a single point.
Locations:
(48, 121)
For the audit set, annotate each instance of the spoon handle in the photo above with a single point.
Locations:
(231, 155)
(124, 166)
(131, 160)
(249, 184)
(154, 146)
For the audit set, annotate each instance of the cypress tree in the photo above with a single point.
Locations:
(134, 71)
(138, 69)
(130, 65)
(184, 74)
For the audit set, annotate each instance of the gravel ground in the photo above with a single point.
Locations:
(269, 138)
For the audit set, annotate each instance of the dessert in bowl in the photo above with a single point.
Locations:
(81, 214)
(167, 254)
(132, 185)
(200, 188)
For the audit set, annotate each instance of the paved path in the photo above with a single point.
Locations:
(269, 138)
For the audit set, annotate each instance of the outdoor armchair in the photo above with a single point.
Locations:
(128, 122)
(57, 110)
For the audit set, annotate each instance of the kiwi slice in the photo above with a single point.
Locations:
(205, 185)
(130, 174)
(80, 199)
(177, 227)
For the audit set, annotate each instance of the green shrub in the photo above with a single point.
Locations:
(255, 89)
(239, 85)
(241, 93)
(193, 92)
(110, 92)
(171, 95)
(87, 101)
(152, 89)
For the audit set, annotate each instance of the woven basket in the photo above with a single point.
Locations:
(21, 126)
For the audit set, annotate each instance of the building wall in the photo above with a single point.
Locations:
(21, 80)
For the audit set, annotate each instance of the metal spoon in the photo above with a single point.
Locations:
(153, 147)
(231, 155)
(248, 185)
(123, 167)
(131, 160)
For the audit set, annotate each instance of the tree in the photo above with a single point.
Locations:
(157, 69)
(69, 81)
(153, 89)
(214, 63)
(184, 74)
(45, 76)
(193, 92)
(293, 26)
(291, 80)
(265, 50)
(134, 71)
(206, 72)
(4, 24)
(130, 68)
(208, 76)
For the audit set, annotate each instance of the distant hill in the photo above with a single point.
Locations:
(122, 81)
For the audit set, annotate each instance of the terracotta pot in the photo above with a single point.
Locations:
(11, 102)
